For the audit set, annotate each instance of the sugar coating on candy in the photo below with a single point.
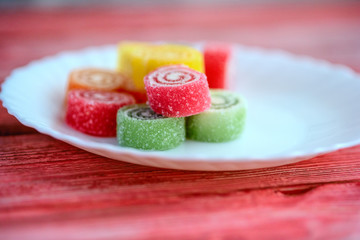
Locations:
(102, 80)
(224, 121)
(217, 58)
(138, 126)
(135, 59)
(96, 79)
(94, 112)
(131, 62)
(140, 97)
(177, 91)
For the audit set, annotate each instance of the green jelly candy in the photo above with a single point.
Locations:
(138, 126)
(223, 122)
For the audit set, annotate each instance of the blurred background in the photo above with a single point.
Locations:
(57, 3)
(31, 29)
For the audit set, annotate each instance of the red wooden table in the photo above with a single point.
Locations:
(51, 190)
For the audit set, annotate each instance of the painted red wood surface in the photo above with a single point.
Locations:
(51, 190)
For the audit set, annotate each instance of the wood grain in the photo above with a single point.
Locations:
(51, 190)
(46, 180)
(327, 212)
(9, 125)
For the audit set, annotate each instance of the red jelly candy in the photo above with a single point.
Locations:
(140, 97)
(217, 64)
(177, 91)
(94, 112)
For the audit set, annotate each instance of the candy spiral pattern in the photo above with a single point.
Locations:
(143, 113)
(97, 78)
(220, 101)
(105, 97)
(173, 76)
(223, 122)
(94, 112)
(177, 91)
(140, 127)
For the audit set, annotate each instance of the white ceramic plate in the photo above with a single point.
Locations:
(297, 108)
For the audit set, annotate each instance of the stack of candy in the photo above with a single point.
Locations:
(180, 103)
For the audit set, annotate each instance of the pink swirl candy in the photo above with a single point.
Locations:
(177, 91)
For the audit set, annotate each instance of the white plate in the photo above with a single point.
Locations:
(297, 108)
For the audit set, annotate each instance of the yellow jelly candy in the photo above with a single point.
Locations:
(137, 59)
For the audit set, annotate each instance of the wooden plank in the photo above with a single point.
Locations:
(327, 212)
(24, 157)
(9, 125)
(42, 176)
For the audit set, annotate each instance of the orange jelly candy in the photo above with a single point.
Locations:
(101, 80)
(96, 79)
